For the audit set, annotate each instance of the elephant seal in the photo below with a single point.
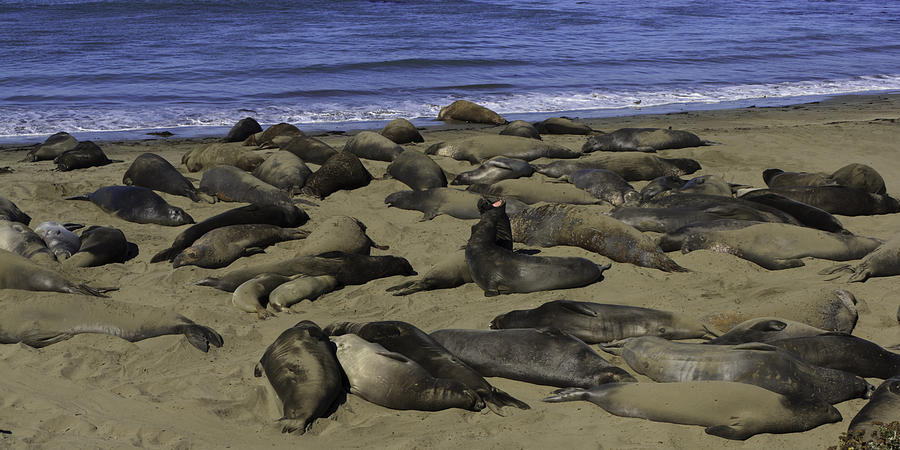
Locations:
(728, 410)
(231, 154)
(394, 381)
(270, 137)
(660, 185)
(18, 272)
(53, 146)
(766, 330)
(605, 185)
(632, 166)
(137, 204)
(230, 184)
(498, 270)
(841, 200)
(882, 408)
(530, 190)
(343, 171)
(642, 140)
(496, 169)
(466, 111)
(294, 291)
(673, 240)
(85, 154)
(541, 356)
(401, 131)
(279, 215)
(371, 145)
(844, 352)
(521, 128)
(707, 185)
(21, 240)
(302, 368)
(562, 125)
(436, 201)
(754, 363)
(777, 246)
(222, 246)
(60, 239)
(253, 295)
(777, 178)
(417, 170)
(446, 274)
(807, 215)
(860, 176)
(243, 129)
(415, 344)
(824, 308)
(884, 261)
(102, 245)
(309, 149)
(676, 221)
(339, 234)
(555, 224)
(154, 172)
(478, 149)
(596, 323)
(725, 207)
(44, 320)
(283, 170)
(9, 211)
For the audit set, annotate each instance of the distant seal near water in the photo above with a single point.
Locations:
(9, 211)
(343, 171)
(882, 407)
(230, 184)
(728, 410)
(417, 171)
(401, 131)
(466, 111)
(395, 381)
(102, 245)
(541, 356)
(17, 272)
(642, 140)
(521, 128)
(60, 239)
(302, 368)
(21, 240)
(309, 149)
(496, 169)
(283, 170)
(596, 323)
(52, 147)
(371, 145)
(562, 125)
(137, 204)
(271, 136)
(478, 149)
(222, 246)
(85, 154)
(243, 129)
(155, 172)
(605, 185)
(632, 166)
(232, 154)
(45, 320)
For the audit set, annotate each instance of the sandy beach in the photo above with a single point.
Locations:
(98, 391)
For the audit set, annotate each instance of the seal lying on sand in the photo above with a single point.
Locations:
(230, 184)
(60, 239)
(417, 171)
(884, 261)
(765, 330)
(841, 200)
(155, 172)
(232, 154)
(496, 169)
(339, 234)
(21, 240)
(478, 149)
(371, 145)
(401, 131)
(137, 204)
(9, 211)
(631, 166)
(448, 273)
(845, 352)
(52, 147)
(17, 272)
(222, 246)
(343, 171)
(85, 154)
(436, 201)
(642, 140)
(882, 407)
(466, 111)
(102, 245)
(283, 170)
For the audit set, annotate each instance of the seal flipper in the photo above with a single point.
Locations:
(166, 255)
(200, 336)
(734, 432)
(87, 290)
(37, 339)
(577, 307)
(499, 399)
(567, 395)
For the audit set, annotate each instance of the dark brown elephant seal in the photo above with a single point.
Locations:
(401, 131)
(395, 381)
(596, 323)
(339, 234)
(302, 368)
(417, 171)
(243, 129)
(39, 322)
(541, 356)
(844, 352)
(212, 155)
(728, 410)
(343, 171)
(841, 200)
(137, 204)
(309, 149)
(777, 178)
(642, 140)
(101, 246)
(408, 340)
(562, 125)
(466, 111)
(230, 184)
(155, 172)
(9, 211)
(18, 272)
(272, 136)
(580, 226)
(521, 128)
(478, 149)
(283, 170)
(860, 176)
(494, 170)
(605, 185)
(807, 215)
(85, 154)
(23, 241)
(882, 408)
(52, 147)
(371, 145)
(222, 246)
(632, 166)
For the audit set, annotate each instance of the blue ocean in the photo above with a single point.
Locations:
(196, 67)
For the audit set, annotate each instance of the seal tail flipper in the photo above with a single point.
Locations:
(499, 399)
(201, 337)
(166, 255)
(711, 332)
(87, 290)
(80, 197)
(38, 340)
(292, 425)
(862, 274)
(567, 395)
(734, 432)
(208, 281)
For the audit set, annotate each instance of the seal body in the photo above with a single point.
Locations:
(243, 129)
(53, 146)
(860, 176)
(496, 169)
(466, 111)
(9, 211)
(137, 204)
(882, 407)
(521, 128)
(230, 184)
(21, 240)
(417, 171)
(605, 185)
(371, 145)
(85, 154)
(641, 140)
(339, 234)
(309, 149)
(844, 352)
(478, 149)
(632, 166)
(102, 245)
(343, 171)
(212, 155)
(59, 239)
(253, 295)
(222, 246)
(884, 261)
(530, 191)
(283, 170)
(154, 172)
(562, 125)
(448, 273)
(841, 200)
(17, 272)
(270, 137)
(401, 131)
(766, 330)
(302, 288)
(436, 201)
(807, 215)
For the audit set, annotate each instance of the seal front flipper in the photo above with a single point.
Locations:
(734, 432)
(200, 336)
(499, 399)
(567, 395)
(293, 425)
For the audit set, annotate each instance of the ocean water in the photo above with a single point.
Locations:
(195, 67)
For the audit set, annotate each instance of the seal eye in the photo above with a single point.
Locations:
(662, 330)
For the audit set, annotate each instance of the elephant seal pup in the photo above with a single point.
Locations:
(728, 410)
(137, 204)
(521, 128)
(102, 245)
(243, 129)
(436, 201)
(222, 246)
(415, 344)
(596, 323)
(302, 368)
(754, 363)
(343, 171)
(882, 408)
(562, 125)
(230, 184)
(498, 270)
(642, 140)
(339, 234)
(605, 185)
(309, 149)
(53, 146)
(807, 215)
(17, 272)
(9, 211)
(401, 131)
(446, 274)
(154, 172)
(371, 145)
(283, 170)
(232, 154)
(884, 261)
(21, 240)
(60, 239)
(417, 171)
(85, 154)
(531, 191)
(844, 352)
(478, 149)
(496, 169)
(466, 111)
(302, 288)
(555, 224)
(279, 215)
(766, 330)
(541, 356)
(395, 381)
(860, 176)
(777, 246)
(43, 320)
(632, 166)
(840, 199)
(253, 295)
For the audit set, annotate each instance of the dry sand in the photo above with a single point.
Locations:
(97, 391)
